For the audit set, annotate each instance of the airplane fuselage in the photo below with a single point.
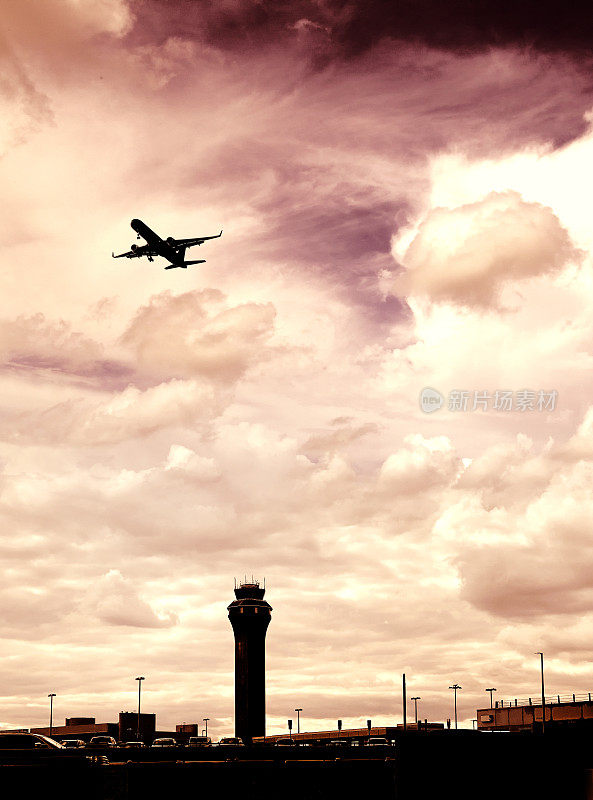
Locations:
(156, 243)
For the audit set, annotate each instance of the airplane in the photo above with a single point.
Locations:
(171, 249)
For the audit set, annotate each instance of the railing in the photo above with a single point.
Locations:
(551, 700)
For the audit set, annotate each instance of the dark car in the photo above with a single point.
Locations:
(34, 748)
(102, 741)
(199, 741)
(27, 741)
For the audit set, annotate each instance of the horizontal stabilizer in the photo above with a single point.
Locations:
(186, 264)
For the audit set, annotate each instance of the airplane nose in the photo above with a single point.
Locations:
(135, 223)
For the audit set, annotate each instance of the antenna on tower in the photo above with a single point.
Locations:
(264, 581)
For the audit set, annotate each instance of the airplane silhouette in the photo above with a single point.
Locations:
(171, 249)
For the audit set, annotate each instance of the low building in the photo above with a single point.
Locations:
(124, 730)
(131, 729)
(85, 731)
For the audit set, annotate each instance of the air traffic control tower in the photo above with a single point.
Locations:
(250, 616)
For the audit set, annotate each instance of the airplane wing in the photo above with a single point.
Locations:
(145, 250)
(195, 240)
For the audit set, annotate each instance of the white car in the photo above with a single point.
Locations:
(72, 743)
(164, 742)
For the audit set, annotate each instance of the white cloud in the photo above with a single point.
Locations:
(467, 254)
(116, 602)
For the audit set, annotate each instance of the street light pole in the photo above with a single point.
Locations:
(140, 679)
(490, 690)
(455, 687)
(298, 710)
(51, 712)
(415, 699)
(541, 655)
(206, 721)
(404, 702)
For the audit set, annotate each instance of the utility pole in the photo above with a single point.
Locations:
(140, 679)
(51, 712)
(455, 687)
(415, 699)
(298, 711)
(404, 699)
(541, 655)
(490, 690)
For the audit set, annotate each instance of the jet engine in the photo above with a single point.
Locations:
(134, 247)
(170, 241)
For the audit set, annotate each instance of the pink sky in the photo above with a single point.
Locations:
(405, 203)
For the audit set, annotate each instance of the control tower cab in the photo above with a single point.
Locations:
(250, 616)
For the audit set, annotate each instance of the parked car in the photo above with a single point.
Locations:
(102, 741)
(133, 744)
(337, 742)
(164, 742)
(28, 741)
(72, 743)
(199, 741)
(231, 740)
(34, 748)
(285, 741)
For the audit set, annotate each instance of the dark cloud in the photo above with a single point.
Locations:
(351, 27)
(466, 25)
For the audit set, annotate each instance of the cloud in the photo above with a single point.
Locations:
(355, 27)
(197, 334)
(127, 414)
(24, 108)
(36, 345)
(116, 602)
(467, 255)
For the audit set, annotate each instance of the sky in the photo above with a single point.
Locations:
(405, 191)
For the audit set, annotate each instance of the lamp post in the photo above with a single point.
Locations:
(51, 712)
(490, 690)
(139, 679)
(206, 721)
(541, 655)
(404, 702)
(298, 711)
(415, 699)
(455, 687)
